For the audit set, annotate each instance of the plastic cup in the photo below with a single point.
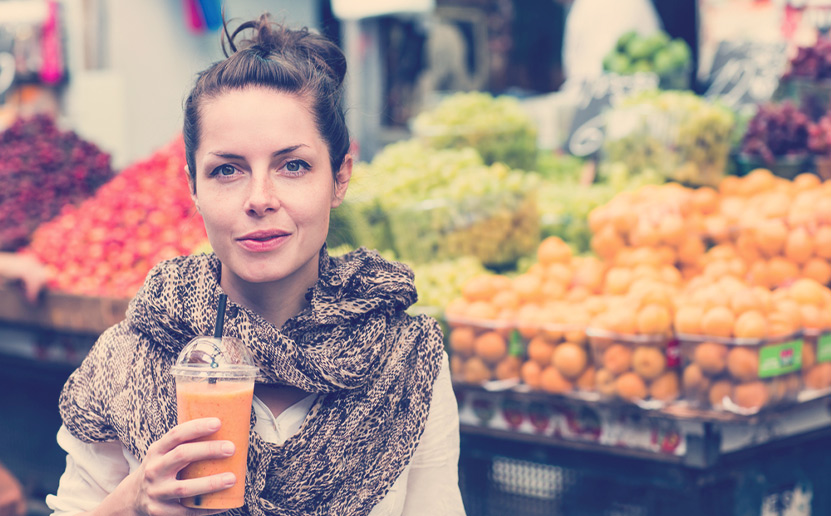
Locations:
(215, 378)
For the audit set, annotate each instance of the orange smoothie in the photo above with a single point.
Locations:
(230, 401)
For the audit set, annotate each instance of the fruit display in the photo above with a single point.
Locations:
(106, 245)
(670, 59)
(741, 347)
(680, 135)
(498, 128)
(777, 135)
(819, 143)
(443, 204)
(46, 168)
(438, 281)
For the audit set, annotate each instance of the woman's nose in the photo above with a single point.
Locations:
(262, 196)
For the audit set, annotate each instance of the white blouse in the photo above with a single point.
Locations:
(429, 485)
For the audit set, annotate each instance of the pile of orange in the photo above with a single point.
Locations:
(496, 305)
(665, 218)
(629, 338)
(722, 325)
(781, 229)
(813, 303)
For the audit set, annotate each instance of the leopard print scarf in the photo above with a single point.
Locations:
(372, 364)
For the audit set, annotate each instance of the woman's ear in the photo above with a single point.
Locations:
(192, 186)
(342, 181)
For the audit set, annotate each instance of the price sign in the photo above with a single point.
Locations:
(746, 73)
(588, 127)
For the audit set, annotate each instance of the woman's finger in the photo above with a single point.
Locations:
(185, 432)
(176, 459)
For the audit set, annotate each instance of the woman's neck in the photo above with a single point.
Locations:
(276, 301)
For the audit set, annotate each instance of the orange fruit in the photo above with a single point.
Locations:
(456, 309)
(607, 242)
(705, 199)
(559, 272)
(552, 290)
(481, 311)
(578, 294)
(506, 300)
(553, 250)
(621, 320)
(691, 251)
(589, 272)
(806, 181)
(604, 382)
(799, 246)
(818, 377)
(746, 247)
(457, 367)
(508, 368)
(540, 350)
(720, 390)
(711, 357)
(730, 185)
(570, 359)
(528, 288)
(665, 388)
(822, 242)
(649, 362)
(618, 280)
(759, 273)
(717, 227)
(461, 340)
(551, 380)
(528, 320)
(807, 292)
(693, 379)
(476, 371)
(586, 380)
(771, 236)
(744, 300)
(617, 358)
(782, 270)
(670, 275)
(751, 395)
(718, 321)
(688, 319)
(491, 347)
(654, 319)
(751, 325)
(530, 374)
(671, 230)
(478, 288)
(631, 387)
(743, 363)
(818, 270)
(812, 317)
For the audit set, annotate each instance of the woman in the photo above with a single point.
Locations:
(354, 411)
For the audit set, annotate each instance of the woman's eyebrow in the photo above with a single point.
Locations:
(231, 155)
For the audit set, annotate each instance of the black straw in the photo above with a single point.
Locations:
(220, 316)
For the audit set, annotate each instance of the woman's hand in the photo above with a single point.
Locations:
(154, 490)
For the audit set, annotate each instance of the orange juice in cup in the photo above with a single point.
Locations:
(215, 378)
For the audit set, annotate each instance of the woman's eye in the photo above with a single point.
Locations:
(224, 170)
(296, 166)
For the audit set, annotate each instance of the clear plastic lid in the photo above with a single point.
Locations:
(211, 356)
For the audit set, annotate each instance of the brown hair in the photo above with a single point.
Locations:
(286, 60)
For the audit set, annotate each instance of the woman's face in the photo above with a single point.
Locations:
(264, 186)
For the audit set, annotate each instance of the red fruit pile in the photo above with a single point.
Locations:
(43, 169)
(812, 62)
(776, 130)
(107, 245)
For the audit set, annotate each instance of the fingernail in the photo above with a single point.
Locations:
(214, 424)
(229, 479)
(227, 447)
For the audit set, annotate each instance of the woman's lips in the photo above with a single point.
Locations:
(262, 241)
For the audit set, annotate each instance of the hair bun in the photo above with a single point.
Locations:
(271, 38)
